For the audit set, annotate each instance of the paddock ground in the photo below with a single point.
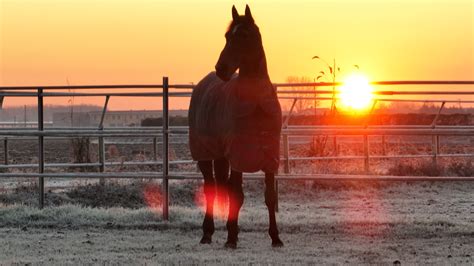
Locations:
(410, 223)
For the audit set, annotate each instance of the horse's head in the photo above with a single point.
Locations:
(243, 42)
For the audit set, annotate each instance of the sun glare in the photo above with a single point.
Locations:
(152, 196)
(356, 92)
(221, 203)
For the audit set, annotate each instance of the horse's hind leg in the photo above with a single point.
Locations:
(210, 193)
(221, 172)
(236, 199)
(270, 201)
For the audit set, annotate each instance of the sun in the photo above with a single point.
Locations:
(356, 92)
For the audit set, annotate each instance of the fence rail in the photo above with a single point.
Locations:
(161, 135)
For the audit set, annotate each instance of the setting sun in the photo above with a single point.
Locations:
(356, 93)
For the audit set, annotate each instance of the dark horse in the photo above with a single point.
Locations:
(235, 120)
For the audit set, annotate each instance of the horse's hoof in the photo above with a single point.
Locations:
(231, 245)
(206, 240)
(277, 243)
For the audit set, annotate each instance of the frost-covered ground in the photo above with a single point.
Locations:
(410, 223)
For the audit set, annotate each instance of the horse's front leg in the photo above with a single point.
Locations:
(236, 199)
(270, 201)
(221, 172)
(210, 194)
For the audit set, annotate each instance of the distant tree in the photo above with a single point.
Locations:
(152, 122)
(429, 108)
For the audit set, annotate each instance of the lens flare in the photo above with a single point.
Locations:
(153, 197)
(221, 202)
(356, 93)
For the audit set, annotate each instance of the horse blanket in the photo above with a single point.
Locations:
(239, 120)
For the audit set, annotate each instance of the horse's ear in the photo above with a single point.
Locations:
(235, 14)
(248, 15)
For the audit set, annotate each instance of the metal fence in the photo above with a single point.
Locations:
(161, 135)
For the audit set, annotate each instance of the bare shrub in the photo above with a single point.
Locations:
(81, 152)
(112, 195)
(461, 168)
(416, 169)
(27, 193)
(318, 146)
(131, 195)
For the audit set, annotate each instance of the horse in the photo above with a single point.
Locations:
(235, 122)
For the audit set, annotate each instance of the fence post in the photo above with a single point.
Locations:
(383, 145)
(40, 148)
(165, 150)
(366, 154)
(286, 150)
(286, 154)
(5, 150)
(435, 139)
(101, 159)
(155, 152)
(435, 150)
(101, 140)
(286, 166)
(438, 144)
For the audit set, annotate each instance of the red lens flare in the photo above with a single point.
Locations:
(152, 196)
(221, 202)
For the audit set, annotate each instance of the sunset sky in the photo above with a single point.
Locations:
(46, 42)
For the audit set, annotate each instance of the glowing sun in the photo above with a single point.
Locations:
(356, 92)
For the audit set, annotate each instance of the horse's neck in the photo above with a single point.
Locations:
(256, 68)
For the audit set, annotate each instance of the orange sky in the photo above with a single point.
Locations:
(138, 41)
